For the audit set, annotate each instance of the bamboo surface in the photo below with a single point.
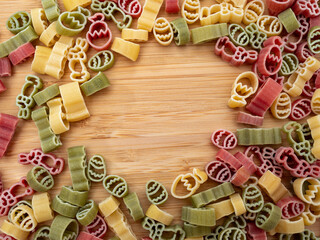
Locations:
(154, 122)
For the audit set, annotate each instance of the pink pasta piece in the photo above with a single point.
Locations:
(5, 67)
(224, 139)
(98, 227)
(6, 237)
(310, 86)
(130, 7)
(241, 176)
(8, 124)
(1, 185)
(263, 100)
(11, 196)
(249, 119)
(2, 87)
(226, 157)
(87, 236)
(20, 54)
(172, 6)
(291, 207)
(47, 160)
(219, 171)
(262, 78)
(277, 6)
(255, 233)
(308, 8)
(314, 21)
(300, 109)
(246, 162)
(303, 52)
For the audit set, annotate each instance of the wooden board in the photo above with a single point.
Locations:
(154, 122)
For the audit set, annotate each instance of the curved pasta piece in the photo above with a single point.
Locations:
(252, 11)
(41, 207)
(57, 116)
(149, 14)
(162, 31)
(128, 49)
(281, 107)
(116, 185)
(96, 169)
(190, 10)
(39, 20)
(18, 22)
(22, 216)
(270, 25)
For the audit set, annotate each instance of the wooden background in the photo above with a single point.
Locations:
(154, 122)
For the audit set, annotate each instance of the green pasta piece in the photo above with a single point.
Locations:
(87, 213)
(235, 221)
(77, 162)
(71, 23)
(238, 35)
(289, 20)
(22, 202)
(256, 38)
(78, 198)
(289, 65)
(213, 194)
(64, 208)
(155, 228)
(199, 216)
(258, 136)
(195, 231)
(253, 199)
(95, 84)
(232, 233)
(133, 204)
(51, 9)
(306, 131)
(25, 100)
(46, 94)
(174, 232)
(96, 169)
(214, 235)
(116, 185)
(101, 61)
(26, 35)
(40, 179)
(18, 21)
(84, 11)
(313, 39)
(181, 33)
(42, 233)
(156, 193)
(269, 217)
(208, 33)
(49, 141)
(64, 228)
(305, 235)
(114, 238)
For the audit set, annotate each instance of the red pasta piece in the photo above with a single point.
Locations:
(146, 238)
(300, 109)
(315, 171)
(270, 57)
(303, 51)
(87, 236)
(241, 176)
(308, 8)
(310, 86)
(8, 124)
(219, 171)
(6, 237)
(262, 78)
(317, 81)
(20, 54)
(314, 22)
(246, 162)
(292, 39)
(98, 227)
(263, 164)
(47, 160)
(2, 87)
(11, 196)
(224, 139)
(247, 118)
(1, 185)
(130, 7)
(277, 6)
(99, 29)
(232, 54)
(226, 157)
(5, 67)
(291, 207)
(172, 6)
(263, 100)
(255, 233)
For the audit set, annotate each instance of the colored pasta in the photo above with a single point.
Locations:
(18, 22)
(149, 14)
(40, 179)
(46, 94)
(51, 9)
(8, 124)
(41, 207)
(128, 49)
(96, 169)
(95, 84)
(133, 204)
(39, 20)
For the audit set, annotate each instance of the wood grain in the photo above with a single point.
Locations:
(154, 122)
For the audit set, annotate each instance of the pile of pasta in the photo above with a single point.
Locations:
(249, 199)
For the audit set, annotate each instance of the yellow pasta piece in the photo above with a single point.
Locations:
(190, 182)
(134, 35)
(315, 102)
(222, 209)
(50, 36)
(287, 226)
(13, 231)
(238, 204)
(237, 3)
(310, 214)
(195, 238)
(314, 124)
(245, 85)
(108, 206)
(159, 215)
(128, 49)
(149, 14)
(22, 216)
(273, 187)
(115, 218)
(281, 107)
(77, 56)
(41, 207)
(308, 190)
(57, 116)
(295, 83)
(73, 102)
(162, 31)
(40, 59)
(58, 58)
(39, 20)
(71, 5)
(190, 10)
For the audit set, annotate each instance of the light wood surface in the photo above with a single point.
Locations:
(154, 122)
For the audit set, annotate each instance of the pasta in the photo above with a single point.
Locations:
(222, 209)
(116, 185)
(71, 5)
(21, 53)
(71, 23)
(18, 22)
(46, 94)
(238, 35)
(40, 59)
(108, 206)
(111, 11)
(128, 49)
(208, 33)
(133, 205)
(281, 107)
(190, 10)
(102, 61)
(181, 34)
(22, 217)
(51, 9)
(78, 198)
(13, 231)
(258, 136)
(95, 84)
(157, 193)
(238, 204)
(253, 198)
(290, 227)
(252, 11)
(134, 35)
(50, 36)
(40, 179)
(57, 116)
(195, 231)
(162, 31)
(149, 14)
(269, 217)
(73, 102)
(315, 102)
(199, 216)
(270, 25)
(41, 207)
(8, 124)
(42, 233)
(289, 20)
(63, 228)
(96, 169)
(64, 208)
(39, 20)
(87, 213)
(159, 215)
